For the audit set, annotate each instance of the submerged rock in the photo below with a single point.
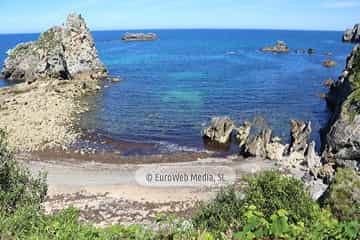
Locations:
(311, 51)
(220, 130)
(60, 53)
(116, 80)
(329, 63)
(139, 37)
(352, 35)
(280, 47)
(328, 82)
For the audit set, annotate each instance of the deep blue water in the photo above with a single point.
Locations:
(175, 85)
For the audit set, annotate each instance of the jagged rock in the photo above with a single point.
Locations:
(280, 47)
(59, 53)
(220, 130)
(300, 134)
(242, 133)
(256, 146)
(313, 160)
(139, 37)
(352, 35)
(342, 141)
(275, 150)
(329, 63)
(326, 172)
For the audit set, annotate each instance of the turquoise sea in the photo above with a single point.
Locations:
(173, 86)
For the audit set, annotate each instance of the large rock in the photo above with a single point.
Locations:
(280, 47)
(300, 135)
(343, 131)
(352, 35)
(60, 53)
(256, 146)
(242, 133)
(220, 130)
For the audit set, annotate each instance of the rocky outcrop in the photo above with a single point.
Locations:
(139, 37)
(256, 145)
(220, 130)
(352, 35)
(300, 135)
(242, 133)
(280, 47)
(342, 141)
(60, 53)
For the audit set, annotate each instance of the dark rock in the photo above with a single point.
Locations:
(311, 51)
(220, 130)
(352, 35)
(280, 47)
(60, 53)
(342, 135)
(139, 37)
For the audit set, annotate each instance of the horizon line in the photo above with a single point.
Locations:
(186, 28)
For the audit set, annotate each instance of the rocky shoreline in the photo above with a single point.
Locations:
(57, 70)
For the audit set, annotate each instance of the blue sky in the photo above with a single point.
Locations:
(35, 16)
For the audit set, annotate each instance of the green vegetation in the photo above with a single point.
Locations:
(48, 39)
(273, 207)
(344, 195)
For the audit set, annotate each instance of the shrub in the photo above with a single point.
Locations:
(224, 212)
(270, 191)
(18, 187)
(343, 196)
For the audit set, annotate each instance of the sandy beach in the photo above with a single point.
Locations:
(109, 193)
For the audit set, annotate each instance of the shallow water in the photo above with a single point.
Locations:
(174, 86)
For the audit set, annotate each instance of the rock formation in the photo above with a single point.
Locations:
(256, 145)
(139, 37)
(242, 133)
(352, 35)
(60, 53)
(300, 135)
(343, 132)
(220, 130)
(280, 47)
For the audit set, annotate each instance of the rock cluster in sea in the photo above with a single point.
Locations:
(62, 52)
(139, 37)
(352, 35)
(257, 140)
(280, 47)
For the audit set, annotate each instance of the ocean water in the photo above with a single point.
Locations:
(173, 86)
